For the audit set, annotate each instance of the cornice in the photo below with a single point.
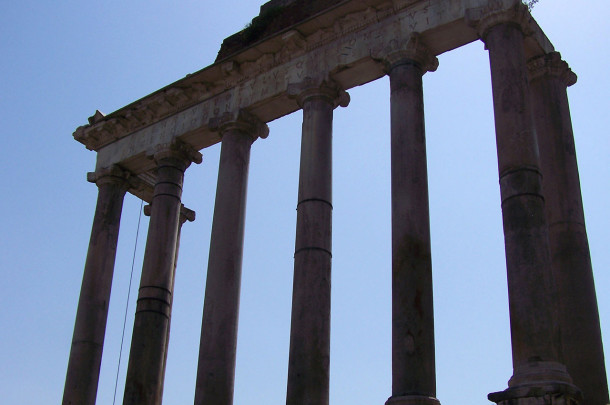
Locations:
(348, 45)
(104, 129)
(228, 73)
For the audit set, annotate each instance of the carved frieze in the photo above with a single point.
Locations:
(294, 45)
(400, 4)
(103, 130)
(348, 44)
(233, 75)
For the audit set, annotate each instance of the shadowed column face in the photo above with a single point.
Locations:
(532, 304)
(216, 368)
(534, 336)
(413, 359)
(185, 215)
(581, 344)
(412, 320)
(145, 372)
(90, 326)
(309, 359)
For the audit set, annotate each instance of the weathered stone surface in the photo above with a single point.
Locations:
(149, 342)
(538, 377)
(274, 17)
(309, 354)
(90, 325)
(304, 55)
(412, 400)
(551, 389)
(533, 329)
(578, 317)
(216, 368)
(413, 362)
(346, 42)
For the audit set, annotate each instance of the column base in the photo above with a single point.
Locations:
(540, 373)
(412, 400)
(539, 383)
(552, 394)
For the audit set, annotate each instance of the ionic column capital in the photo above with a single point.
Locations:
(551, 65)
(243, 121)
(484, 18)
(415, 52)
(185, 213)
(180, 152)
(326, 89)
(114, 174)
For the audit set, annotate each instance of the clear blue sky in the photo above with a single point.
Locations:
(63, 60)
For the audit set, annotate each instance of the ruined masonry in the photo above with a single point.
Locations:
(304, 55)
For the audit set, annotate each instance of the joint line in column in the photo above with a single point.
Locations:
(521, 195)
(313, 248)
(520, 169)
(169, 195)
(315, 199)
(154, 312)
(169, 167)
(156, 287)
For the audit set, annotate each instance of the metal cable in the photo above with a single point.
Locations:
(133, 260)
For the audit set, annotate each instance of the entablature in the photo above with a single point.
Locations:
(346, 43)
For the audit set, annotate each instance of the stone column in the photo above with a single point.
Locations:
(534, 333)
(309, 357)
(578, 316)
(144, 384)
(90, 326)
(185, 215)
(216, 367)
(413, 363)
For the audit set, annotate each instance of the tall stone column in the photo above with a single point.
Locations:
(309, 356)
(413, 362)
(145, 371)
(216, 367)
(534, 333)
(185, 215)
(578, 316)
(90, 326)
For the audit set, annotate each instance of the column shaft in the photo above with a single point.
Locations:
(413, 363)
(90, 326)
(578, 317)
(534, 334)
(145, 372)
(309, 358)
(185, 215)
(216, 367)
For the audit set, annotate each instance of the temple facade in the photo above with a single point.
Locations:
(306, 55)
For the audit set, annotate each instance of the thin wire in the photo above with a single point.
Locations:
(133, 261)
